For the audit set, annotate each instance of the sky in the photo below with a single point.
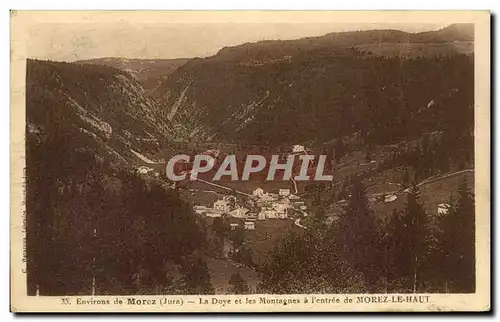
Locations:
(76, 41)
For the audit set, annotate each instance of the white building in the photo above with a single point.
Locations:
(390, 198)
(239, 212)
(213, 214)
(259, 192)
(222, 206)
(249, 225)
(261, 216)
(267, 197)
(233, 226)
(268, 213)
(282, 214)
(443, 208)
(281, 210)
(286, 201)
(252, 216)
(298, 148)
(284, 192)
(144, 170)
(201, 209)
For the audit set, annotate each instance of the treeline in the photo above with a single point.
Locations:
(272, 49)
(413, 251)
(432, 155)
(92, 229)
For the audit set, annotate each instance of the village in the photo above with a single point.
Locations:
(259, 206)
(246, 208)
(247, 219)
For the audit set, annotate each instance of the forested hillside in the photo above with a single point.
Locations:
(414, 251)
(104, 107)
(318, 89)
(93, 225)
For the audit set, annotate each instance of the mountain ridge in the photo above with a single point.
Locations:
(455, 32)
(149, 72)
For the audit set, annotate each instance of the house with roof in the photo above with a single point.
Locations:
(284, 192)
(201, 210)
(143, 170)
(297, 148)
(281, 210)
(239, 212)
(213, 213)
(259, 192)
(443, 209)
(252, 215)
(268, 212)
(249, 225)
(266, 198)
(222, 205)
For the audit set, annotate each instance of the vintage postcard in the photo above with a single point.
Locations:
(250, 161)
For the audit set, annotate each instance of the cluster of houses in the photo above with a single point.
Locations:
(276, 206)
(263, 206)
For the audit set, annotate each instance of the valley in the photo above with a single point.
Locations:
(392, 112)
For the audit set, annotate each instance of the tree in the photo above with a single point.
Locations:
(318, 189)
(390, 242)
(340, 149)
(319, 217)
(368, 155)
(359, 235)
(457, 242)
(406, 179)
(218, 227)
(411, 236)
(238, 236)
(310, 262)
(196, 278)
(244, 255)
(238, 284)
(343, 191)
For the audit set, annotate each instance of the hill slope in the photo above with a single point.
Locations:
(100, 108)
(275, 92)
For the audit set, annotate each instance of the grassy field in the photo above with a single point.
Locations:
(440, 191)
(200, 198)
(431, 195)
(384, 182)
(267, 234)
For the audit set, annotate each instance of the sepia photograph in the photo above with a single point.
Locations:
(205, 162)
